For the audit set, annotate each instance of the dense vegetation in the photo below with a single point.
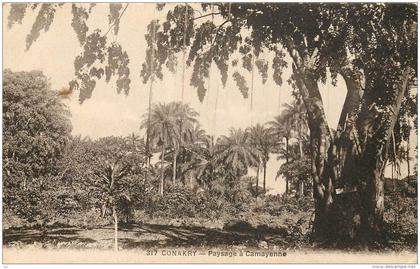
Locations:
(52, 178)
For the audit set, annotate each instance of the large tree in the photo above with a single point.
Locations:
(372, 46)
(371, 43)
(36, 129)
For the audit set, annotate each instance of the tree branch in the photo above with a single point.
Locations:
(206, 15)
(218, 30)
(353, 97)
(119, 18)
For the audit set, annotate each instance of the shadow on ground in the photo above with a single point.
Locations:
(148, 236)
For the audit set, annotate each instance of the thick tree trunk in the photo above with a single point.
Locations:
(347, 166)
(320, 141)
(338, 203)
(377, 134)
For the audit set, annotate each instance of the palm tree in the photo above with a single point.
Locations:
(164, 129)
(195, 141)
(204, 162)
(281, 127)
(262, 139)
(296, 112)
(196, 135)
(136, 143)
(185, 117)
(237, 153)
(149, 107)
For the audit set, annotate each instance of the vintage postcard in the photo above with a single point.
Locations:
(210, 133)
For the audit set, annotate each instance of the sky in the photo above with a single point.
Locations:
(107, 113)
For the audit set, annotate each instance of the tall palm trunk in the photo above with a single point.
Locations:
(252, 88)
(191, 181)
(392, 172)
(174, 166)
(114, 213)
(149, 108)
(394, 182)
(394, 159)
(184, 51)
(162, 157)
(287, 161)
(408, 153)
(265, 174)
(258, 179)
(301, 156)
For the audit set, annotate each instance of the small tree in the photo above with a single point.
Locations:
(108, 164)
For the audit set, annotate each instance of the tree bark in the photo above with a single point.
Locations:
(347, 166)
(376, 141)
(320, 141)
(338, 204)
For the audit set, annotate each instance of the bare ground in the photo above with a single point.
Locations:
(78, 245)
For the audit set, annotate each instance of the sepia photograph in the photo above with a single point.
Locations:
(216, 132)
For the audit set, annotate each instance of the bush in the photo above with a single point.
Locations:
(177, 201)
(401, 213)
